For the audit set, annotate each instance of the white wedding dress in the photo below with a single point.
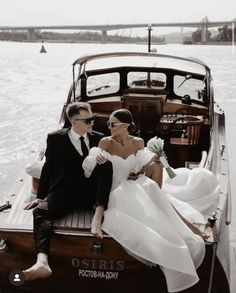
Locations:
(141, 218)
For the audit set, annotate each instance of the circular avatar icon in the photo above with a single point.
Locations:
(16, 277)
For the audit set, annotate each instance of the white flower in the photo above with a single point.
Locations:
(156, 145)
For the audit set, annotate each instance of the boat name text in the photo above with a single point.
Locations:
(95, 264)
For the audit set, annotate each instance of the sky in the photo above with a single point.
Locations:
(85, 12)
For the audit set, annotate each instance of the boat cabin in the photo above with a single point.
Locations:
(169, 97)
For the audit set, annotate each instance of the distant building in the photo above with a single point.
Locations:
(187, 41)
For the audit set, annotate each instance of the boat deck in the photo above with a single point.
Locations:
(18, 218)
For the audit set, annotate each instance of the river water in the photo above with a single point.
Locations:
(33, 88)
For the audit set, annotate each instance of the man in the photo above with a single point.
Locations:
(62, 183)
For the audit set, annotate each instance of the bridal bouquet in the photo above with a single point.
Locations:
(156, 146)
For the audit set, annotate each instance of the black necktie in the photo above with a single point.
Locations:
(83, 147)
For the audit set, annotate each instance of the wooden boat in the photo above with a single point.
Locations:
(167, 96)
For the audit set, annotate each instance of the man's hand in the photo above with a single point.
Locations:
(32, 204)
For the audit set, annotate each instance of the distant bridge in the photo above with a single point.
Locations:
(204, 25)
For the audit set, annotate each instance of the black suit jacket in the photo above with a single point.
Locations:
(62, 171)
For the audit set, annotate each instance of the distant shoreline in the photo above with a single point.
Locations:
(98, 38)
(117, 42)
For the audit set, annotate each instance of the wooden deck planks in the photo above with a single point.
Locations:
(87, 219)
(75, 219)
(18, 218)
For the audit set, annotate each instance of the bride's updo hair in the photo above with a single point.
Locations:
(125, 116)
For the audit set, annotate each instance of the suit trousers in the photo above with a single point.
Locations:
(58, 204)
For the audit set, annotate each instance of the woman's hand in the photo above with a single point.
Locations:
(156, 159)
(101, 159)
(133, 176)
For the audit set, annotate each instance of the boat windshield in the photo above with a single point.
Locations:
(190, 86)
(109, 83)
(103, 84)
(155, 80)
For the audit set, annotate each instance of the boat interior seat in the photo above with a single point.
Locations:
(188, 139)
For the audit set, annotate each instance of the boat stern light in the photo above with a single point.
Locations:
(97, 247)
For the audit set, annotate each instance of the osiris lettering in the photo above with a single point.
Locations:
(95, 264)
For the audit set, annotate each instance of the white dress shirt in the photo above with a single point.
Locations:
(75, 140)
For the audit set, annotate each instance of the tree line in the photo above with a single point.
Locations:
(224, 34)
(75, 37)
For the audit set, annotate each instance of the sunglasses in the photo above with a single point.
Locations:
(87, 121)
(112, 124)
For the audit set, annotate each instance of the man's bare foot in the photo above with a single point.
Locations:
(96, 229)
(38, 270)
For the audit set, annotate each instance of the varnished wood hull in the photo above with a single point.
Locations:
(78, 267)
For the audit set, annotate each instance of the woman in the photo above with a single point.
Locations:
(138, 209)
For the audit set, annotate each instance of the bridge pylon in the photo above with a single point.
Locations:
(30, 34)
(103, 36)
(204, 34)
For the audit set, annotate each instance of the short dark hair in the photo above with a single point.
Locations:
(75, 108)
(125, 116)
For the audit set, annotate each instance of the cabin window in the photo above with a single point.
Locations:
(103, 84)
(188, 85)
(155, 80)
